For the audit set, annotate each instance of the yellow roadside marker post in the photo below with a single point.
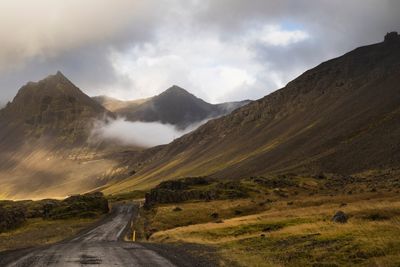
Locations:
(133, 232)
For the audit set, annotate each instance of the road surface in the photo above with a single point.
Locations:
(100, 246)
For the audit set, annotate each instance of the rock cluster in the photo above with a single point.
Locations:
(11, 218)
(193, 188)
(14, 214)
(392, 37)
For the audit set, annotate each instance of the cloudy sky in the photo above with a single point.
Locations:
(220, 50)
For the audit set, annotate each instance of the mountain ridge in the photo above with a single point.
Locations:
(174, 106)
(45, 135)
(321, 121)
(54, 105)
(47, 140)
(340, 117)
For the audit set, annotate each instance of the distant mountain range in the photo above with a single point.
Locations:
(341, 117)
(174, 106)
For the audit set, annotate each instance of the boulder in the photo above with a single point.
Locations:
(340, 217)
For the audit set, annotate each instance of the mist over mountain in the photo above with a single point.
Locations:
(52, 133)
(174, 106)
(44, 138)
(339, 117)
(157, 120)
(138, 133)
(199, 133)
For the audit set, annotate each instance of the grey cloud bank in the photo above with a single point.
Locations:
(219, 50)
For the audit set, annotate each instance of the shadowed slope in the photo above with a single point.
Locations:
(174, 106)
(44, 150)
(51, 107)
(342, 116)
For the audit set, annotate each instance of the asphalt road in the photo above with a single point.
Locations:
(99, 246)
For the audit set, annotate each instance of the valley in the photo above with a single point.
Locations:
(308, 175)
(340, 117)
(47, 132)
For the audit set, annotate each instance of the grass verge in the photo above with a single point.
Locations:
(38, 231)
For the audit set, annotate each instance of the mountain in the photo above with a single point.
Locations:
(44, 148)
(53, 107)
(47, 144)
(118, 106)
(341, 117)
(174, 106)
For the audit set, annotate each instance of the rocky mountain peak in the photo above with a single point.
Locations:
(392, 37)
(176, 90)
(53, 104)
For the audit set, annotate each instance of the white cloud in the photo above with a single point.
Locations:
(47, 28)
(220, 50)
(142, 134)
(275, 35)
(210, 67)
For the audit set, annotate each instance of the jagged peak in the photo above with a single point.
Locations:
(391, 37)
(58, 76)
(52, 85)
(176, 88)
(176, 91)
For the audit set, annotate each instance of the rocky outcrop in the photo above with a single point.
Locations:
(14, 213)
(195, 188)
(11, 217)
(88, 205)
(392, 37)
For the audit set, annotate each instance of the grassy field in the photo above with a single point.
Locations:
(293, 228)
(38, 231)
(30, 223)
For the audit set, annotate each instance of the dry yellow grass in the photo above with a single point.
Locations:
(46, 174)
(40, 232)
(302, 234)
(200, 212)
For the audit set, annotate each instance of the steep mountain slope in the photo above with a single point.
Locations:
(342, 117)
(174, 106)
(116, 105)
(44, 149)
(51, 107)
(47, 146)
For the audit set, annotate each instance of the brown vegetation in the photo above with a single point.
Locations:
(265, 230)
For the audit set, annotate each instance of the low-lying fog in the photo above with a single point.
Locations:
(143, 134)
